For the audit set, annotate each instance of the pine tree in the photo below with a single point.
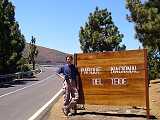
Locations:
(146, 18)
(99, 33)
(12, 42)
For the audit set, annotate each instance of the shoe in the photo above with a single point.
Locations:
(65, 111)
(70, 114)
(73, 111)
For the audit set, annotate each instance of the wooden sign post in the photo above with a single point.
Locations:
(114, 78)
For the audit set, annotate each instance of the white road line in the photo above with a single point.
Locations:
(26, 86)
(61, 76)
(43, 109)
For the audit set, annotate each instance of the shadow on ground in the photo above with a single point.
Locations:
(115, 115)
(17, 82)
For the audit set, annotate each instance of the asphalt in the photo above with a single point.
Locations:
(21, 99)
(96, 112)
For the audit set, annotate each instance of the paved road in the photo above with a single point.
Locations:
(21, 99)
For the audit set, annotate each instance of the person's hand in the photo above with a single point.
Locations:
(61, 76)
(78, 87)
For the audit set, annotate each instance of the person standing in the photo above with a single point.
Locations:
(70, 86)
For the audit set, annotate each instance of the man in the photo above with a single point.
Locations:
(69, 86)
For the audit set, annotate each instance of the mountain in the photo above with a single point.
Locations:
(47, 55)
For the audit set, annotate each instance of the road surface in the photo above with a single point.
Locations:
(21, 99)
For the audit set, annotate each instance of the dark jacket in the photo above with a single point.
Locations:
(69, 71)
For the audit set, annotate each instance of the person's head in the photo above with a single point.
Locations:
(69, 59)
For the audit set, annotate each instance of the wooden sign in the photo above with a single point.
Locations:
(113, 78)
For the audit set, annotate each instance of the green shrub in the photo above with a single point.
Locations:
(153, 64)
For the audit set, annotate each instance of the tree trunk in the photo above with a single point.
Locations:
(33, 65)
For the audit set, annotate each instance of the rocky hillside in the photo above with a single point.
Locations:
(47, 55)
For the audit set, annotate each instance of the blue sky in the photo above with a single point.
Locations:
(56, 23)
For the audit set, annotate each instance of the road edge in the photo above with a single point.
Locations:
(44, 109)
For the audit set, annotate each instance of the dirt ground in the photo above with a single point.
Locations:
(102, 112)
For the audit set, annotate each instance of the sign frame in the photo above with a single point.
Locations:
(146, 83)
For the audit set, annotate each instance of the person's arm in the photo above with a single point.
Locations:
(60, 72)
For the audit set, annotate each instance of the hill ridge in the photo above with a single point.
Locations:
(47, 55)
